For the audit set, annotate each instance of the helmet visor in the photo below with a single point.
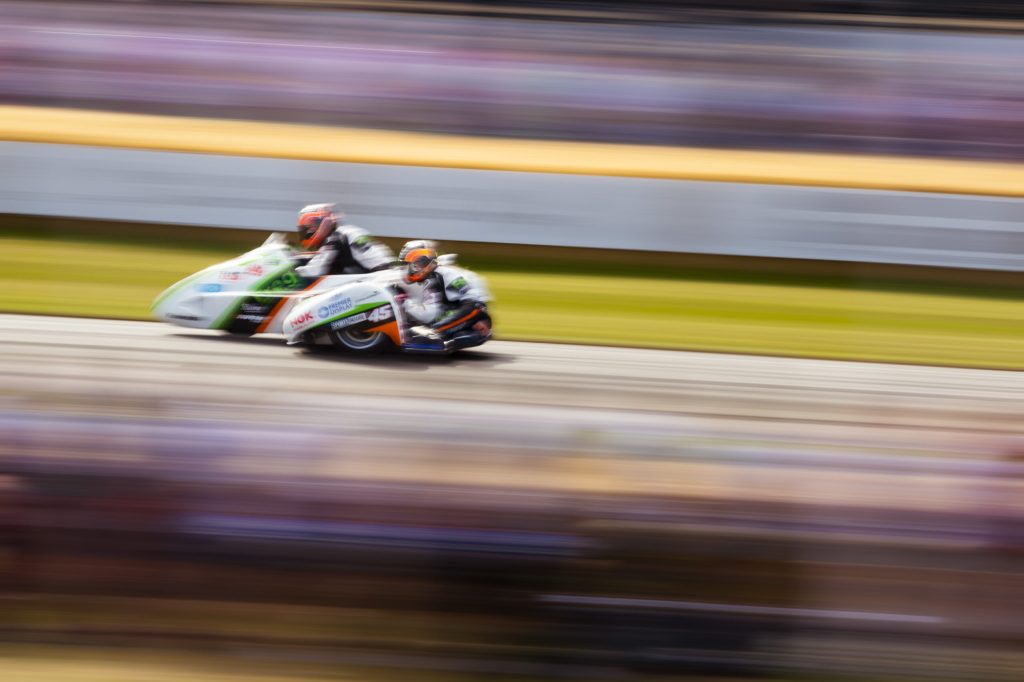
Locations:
(309, 224)
(418, 265)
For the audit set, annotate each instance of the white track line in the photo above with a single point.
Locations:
(676, 605)
(226, 41)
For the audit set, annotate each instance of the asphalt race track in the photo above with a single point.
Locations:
(155, 359)
(506, 396)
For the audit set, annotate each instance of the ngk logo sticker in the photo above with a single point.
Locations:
(302, 319)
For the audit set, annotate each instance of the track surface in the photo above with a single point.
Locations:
(513, 392)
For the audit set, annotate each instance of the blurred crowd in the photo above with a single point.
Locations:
(730, 81)
(667, 9)
(159, 529)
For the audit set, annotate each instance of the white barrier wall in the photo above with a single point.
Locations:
(513, 207)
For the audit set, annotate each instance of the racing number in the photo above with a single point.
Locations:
(381, 314)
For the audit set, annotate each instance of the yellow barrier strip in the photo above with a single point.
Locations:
(322, 143)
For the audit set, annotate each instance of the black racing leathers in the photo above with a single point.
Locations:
(349, 250)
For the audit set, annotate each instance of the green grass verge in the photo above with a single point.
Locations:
(589, 297)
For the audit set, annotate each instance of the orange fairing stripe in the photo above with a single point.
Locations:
(277, 308)
(459, 321)
(391, 329)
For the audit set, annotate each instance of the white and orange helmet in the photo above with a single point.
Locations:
(317, 222)
(419, 258)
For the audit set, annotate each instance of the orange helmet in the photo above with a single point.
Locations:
(316, 223)
(419, 263)
(416, 244)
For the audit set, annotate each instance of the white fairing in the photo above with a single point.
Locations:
(261, 292)
(211, 298)
(342, 306)
(207, 298)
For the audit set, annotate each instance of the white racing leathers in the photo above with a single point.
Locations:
(350, 250)
(446, 296)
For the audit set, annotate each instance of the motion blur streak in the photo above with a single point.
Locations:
(742, 84)
(598, 512)
(182, 504)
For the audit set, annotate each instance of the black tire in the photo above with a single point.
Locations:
(360, 341)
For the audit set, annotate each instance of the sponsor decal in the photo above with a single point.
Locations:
(334, 308)
(348, 321)
(254, 270)
(301, 319)
(209, 288)
(363, 243)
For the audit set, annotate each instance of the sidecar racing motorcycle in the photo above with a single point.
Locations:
(260, 292)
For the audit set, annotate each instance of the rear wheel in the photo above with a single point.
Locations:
(360, 341)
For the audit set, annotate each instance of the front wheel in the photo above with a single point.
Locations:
(360, 341)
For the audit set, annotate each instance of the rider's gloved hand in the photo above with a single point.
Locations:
(482, 328)
(309, 272)
(425, 332)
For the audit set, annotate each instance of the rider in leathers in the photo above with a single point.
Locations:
(340, 249)
(439, 297)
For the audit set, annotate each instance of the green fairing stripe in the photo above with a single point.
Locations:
(228, 315)
(355, 311)
(175, 288)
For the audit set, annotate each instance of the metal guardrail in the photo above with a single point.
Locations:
(518, 207)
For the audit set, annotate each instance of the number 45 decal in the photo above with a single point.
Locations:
(381, 314)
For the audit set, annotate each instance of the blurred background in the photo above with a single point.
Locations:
(936, 79)
(754, 410)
